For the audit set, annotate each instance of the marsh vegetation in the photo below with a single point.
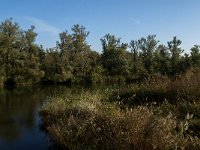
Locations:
(157, 114)
(158, 108)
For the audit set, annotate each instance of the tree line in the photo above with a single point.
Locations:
(22, 61)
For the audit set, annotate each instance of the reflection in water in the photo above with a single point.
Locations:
(19, 118)
(17, 111)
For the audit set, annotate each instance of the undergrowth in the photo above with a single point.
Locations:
(159, 114)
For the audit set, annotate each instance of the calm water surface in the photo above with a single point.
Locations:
(19, 117)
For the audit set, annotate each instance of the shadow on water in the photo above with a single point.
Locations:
(19, 117)
(20, 123)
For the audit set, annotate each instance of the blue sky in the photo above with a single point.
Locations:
(128, 19)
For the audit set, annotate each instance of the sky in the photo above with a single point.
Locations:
(127, 19)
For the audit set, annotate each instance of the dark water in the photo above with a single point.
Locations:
(20, 122)
(19, 117)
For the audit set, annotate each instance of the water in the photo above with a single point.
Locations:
(20, 122)
(19, 117)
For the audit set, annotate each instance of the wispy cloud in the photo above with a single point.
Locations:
(135, 21)
(43, 26)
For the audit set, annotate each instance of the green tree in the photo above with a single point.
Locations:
(174, 47)
(148, 46)
(52, 66)
(185, 63)
(195, 56)
(114, 56)
(32, 68)
(12, 54)
(20, 56)
(97, 70)
(134, 45)
(79, 37)
(65, 47)
(162, 60)
(74, 55)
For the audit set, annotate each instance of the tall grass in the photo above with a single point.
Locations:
(160, 113)
(89, 121)
(161, 89)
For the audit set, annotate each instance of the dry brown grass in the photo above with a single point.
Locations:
(88, 123)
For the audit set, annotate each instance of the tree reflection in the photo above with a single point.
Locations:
(18, 110)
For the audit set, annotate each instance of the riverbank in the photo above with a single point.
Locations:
(158, 114)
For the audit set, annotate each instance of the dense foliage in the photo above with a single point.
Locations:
(22, 61)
